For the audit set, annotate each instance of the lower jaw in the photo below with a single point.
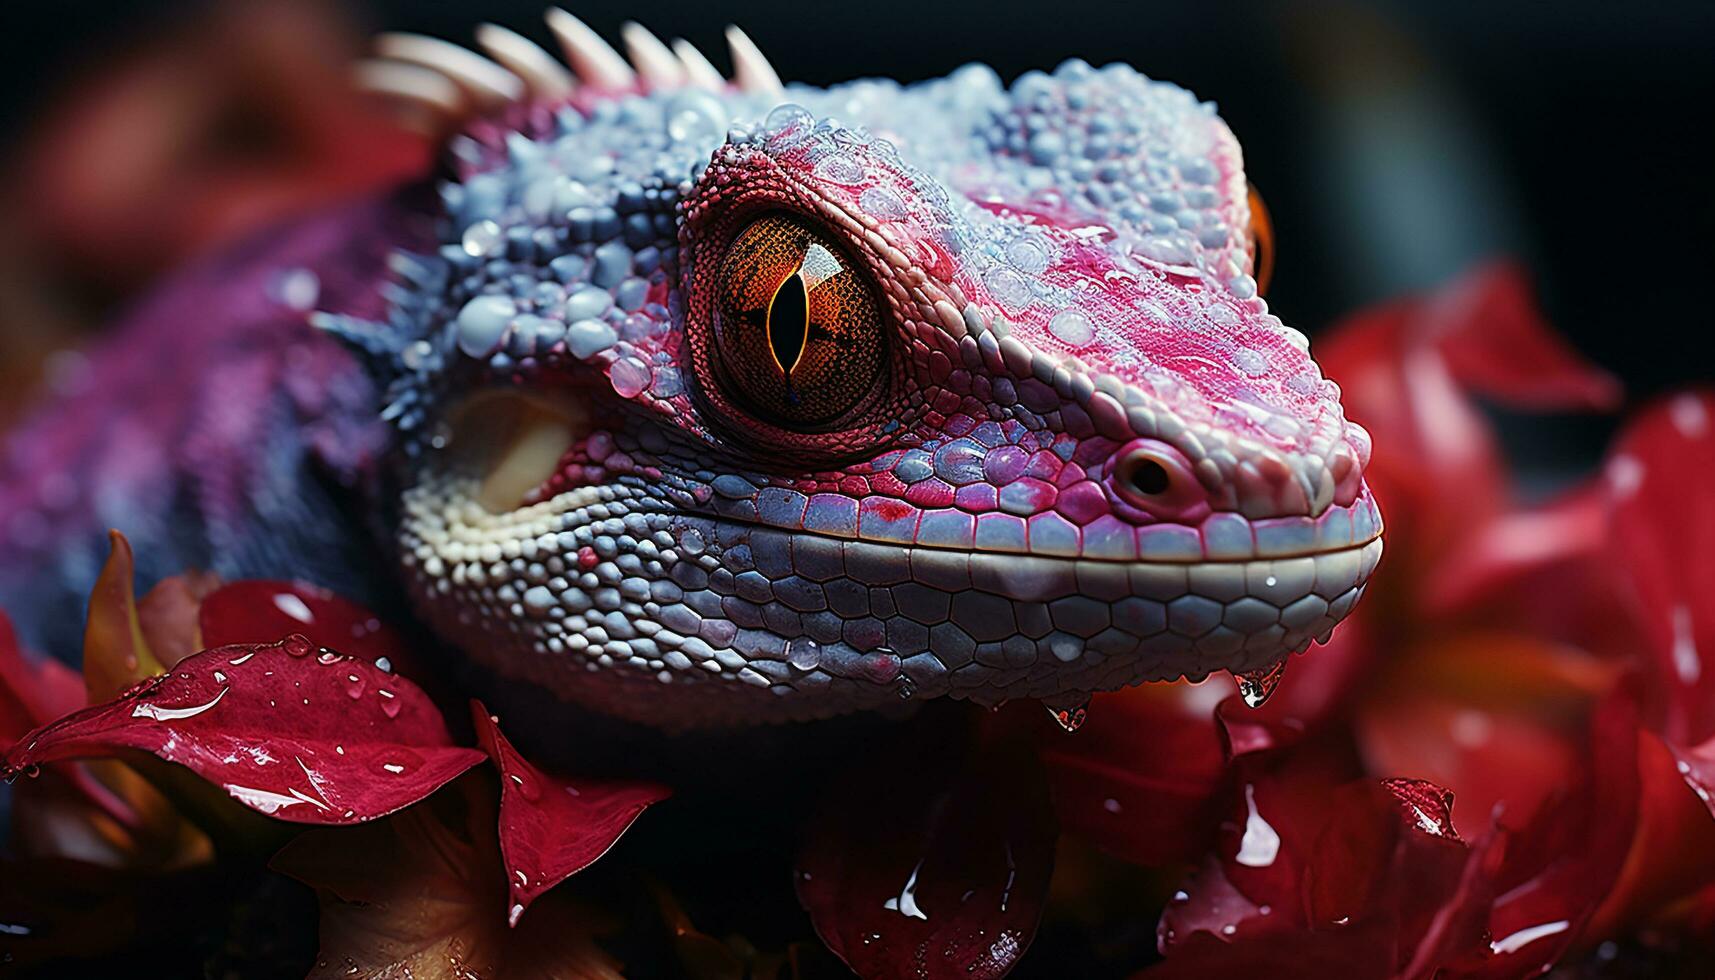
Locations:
(750, 625)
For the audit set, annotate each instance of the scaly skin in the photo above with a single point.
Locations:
(1090, 456)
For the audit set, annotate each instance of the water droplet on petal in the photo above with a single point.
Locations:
(354, 685)
(390, 704)
(1255, 686)
(298, 645)
(527, 787)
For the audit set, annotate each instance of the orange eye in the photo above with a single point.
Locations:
(1262, 242)
(798, 334)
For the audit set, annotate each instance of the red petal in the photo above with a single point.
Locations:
(916, 867)
(1139, 778)
(1672, 854)
(1659, 478)
(305, 736)
(1552, 875)
(1355, 864)
(1545, 570)
(1427, 807)
(32, 694)
(1496, 343)
(551, 828)
(1426, 434)
(262, 611)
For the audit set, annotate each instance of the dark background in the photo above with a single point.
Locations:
(1395, 143)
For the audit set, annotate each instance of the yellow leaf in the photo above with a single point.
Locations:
(115, 653)
(422, 894)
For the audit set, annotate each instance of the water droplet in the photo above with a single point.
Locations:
(527, 787)
(1072, 327)
(384, 665)
(513, 913)
(390, 704)
(1255, 686)
(803, 653)
(298, 645)
(788, 120)
(839, 169)
(482, 239)
(907, 689)
(354, 685)
(1071, 719)
(327, 657)
(630, 377)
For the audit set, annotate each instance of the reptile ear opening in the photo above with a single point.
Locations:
(513, 443)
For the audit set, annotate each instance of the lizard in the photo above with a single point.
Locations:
(701, 402)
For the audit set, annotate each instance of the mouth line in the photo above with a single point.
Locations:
(994, 553)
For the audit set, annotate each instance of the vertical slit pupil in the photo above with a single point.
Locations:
(788, 323)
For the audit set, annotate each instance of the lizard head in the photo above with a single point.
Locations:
(726, 404)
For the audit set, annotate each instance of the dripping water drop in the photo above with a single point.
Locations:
(1255, 686)
(1071, 719)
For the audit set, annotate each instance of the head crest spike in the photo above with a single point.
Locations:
(546, 77)
(655, 63)
(593, 59)
(699, 73)
(751, 72)
(488, 83)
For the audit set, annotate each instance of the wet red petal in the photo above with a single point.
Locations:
(304, 735)
(1659, 478)
(1672, 854)
(917, 866)
(262, 611)
(32, 694)
(1427, 807)
(1373, 862)
(1139, 778)
(552, 828)
(1552, 874)
(1488, 757)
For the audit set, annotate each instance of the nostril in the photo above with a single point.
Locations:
(1149, 477)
